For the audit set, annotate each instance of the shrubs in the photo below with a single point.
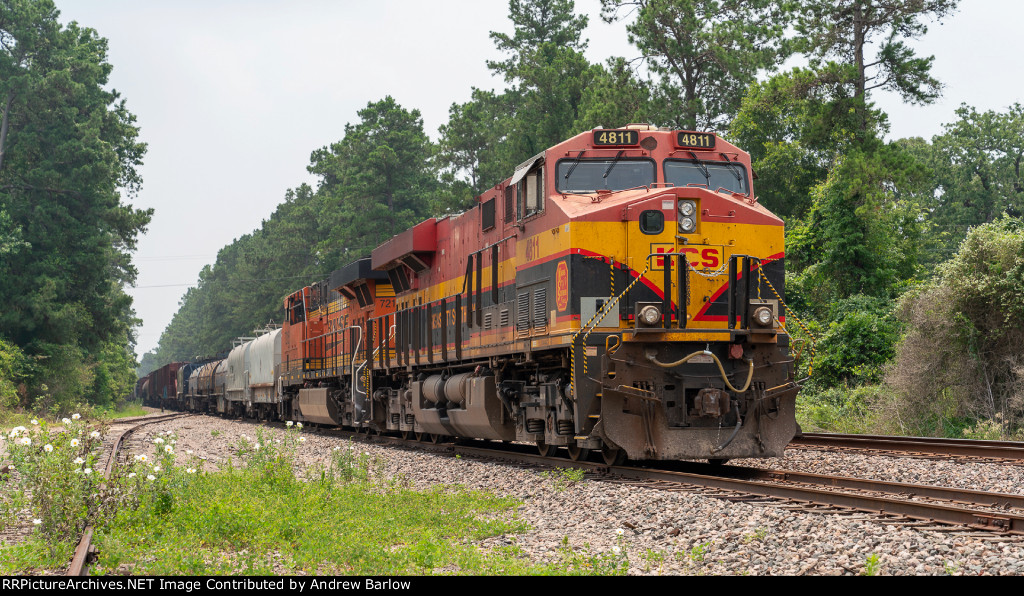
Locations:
(57, 479)
(12, 371)
(961, 355)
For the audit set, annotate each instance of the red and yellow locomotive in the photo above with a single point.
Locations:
(619, 292)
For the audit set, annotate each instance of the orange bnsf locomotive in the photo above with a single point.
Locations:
(619, 292)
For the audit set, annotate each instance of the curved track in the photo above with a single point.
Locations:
(123, 428)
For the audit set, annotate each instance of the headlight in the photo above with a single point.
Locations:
(687, 208)
(650, 315)
(763, 316)
(687, 225)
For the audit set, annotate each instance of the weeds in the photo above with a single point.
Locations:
(696, 553)
(871, 565)
(565, 477)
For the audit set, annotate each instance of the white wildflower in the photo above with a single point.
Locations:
(131, 475)
(158, 440)
(25, 441)
(88, 471)
(75, 416)
(74, 442)
(65, 421)
(48, 448)
(142, 458)
(37, 521)
(298, 425)
(35, 422)
(169, 449)
(191, 470)
(151, 477)
(289, 423)
(156, 468)
(78, 461)
(94, 434)
(302, 439)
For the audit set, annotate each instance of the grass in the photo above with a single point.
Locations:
(242, 522)
(257, 517)
(12, 418)
(344, 518)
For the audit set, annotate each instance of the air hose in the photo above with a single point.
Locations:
(750, 374)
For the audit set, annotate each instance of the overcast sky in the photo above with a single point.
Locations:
(232, 96)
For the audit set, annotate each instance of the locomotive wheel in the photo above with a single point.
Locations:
(420, 436)
(406, 434)
(613, 457)
(577, 453)
(435, 438)
(545, 449)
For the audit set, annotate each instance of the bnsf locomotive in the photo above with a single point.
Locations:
(619, 292)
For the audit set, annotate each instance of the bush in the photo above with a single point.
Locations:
(858, 343)
(960, 358)
(13, 366)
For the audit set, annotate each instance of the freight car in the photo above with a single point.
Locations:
(620, 292)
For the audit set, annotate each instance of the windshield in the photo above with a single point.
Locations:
(592, 175)
(713, 174)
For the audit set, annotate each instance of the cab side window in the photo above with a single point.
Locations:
(531, 193)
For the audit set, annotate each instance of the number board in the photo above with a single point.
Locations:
(616, 138)
(695, 140)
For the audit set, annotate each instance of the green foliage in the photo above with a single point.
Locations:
(584, 561)
(58, 480)
(614, 98)
(12, 371)
(862, 233)
(487, 137)
(977, 173)
(240, 519)
(703, 53)
(843, 31)
(565, 478)
(69, 151)
(871, 565)
(537, 22)
(796, 125)
(960, 356)
(859, 342)
(856, 410)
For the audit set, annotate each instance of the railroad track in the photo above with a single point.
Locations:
(116, 436)
(1001, 452)
(905, 504)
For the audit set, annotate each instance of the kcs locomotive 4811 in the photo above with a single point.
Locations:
(619, 292)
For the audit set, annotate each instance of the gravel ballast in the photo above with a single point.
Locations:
(676, 532)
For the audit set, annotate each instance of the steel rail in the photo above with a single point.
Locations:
(932, 446)
(77, 567)
(1004, 521)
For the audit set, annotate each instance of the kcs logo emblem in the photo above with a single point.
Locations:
(562, 286)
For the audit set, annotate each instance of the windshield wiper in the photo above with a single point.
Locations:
(610, 166)
(703, 168)
(732, 168)
(574, 164)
